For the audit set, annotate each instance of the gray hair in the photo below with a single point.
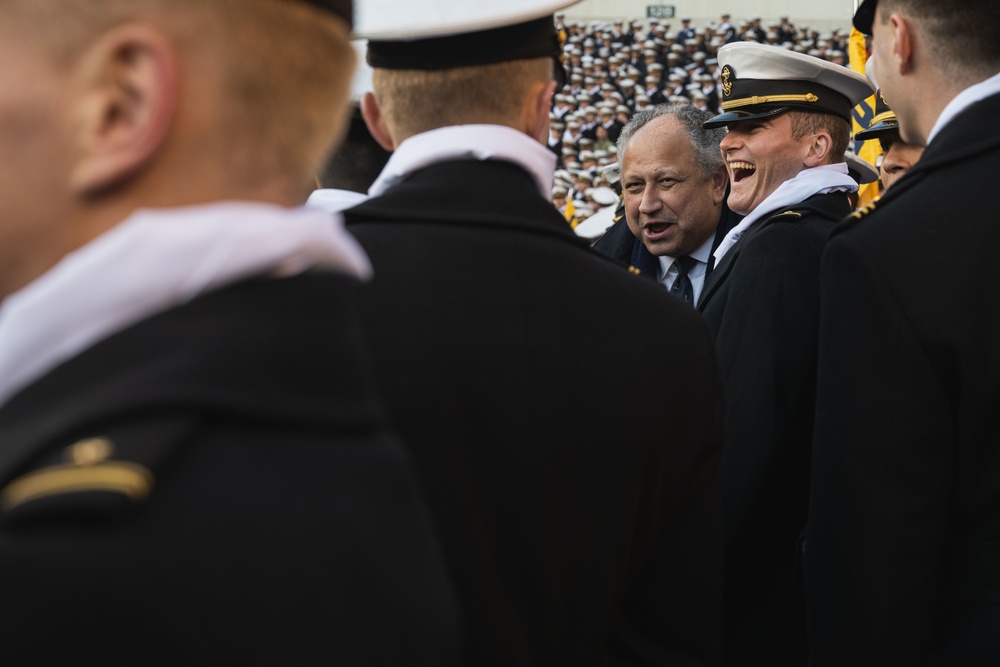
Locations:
(707, 155)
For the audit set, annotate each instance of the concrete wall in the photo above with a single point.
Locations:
(820, 14)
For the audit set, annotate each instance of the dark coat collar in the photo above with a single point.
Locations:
(468, 192)
(961, 139)
(225, 353)
(832, 206)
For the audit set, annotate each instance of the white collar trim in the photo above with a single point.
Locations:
(963, 101)
(469, 142)
(805, 184)
(152, 261)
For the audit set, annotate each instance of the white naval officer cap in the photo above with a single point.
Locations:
(444, 34)
(762, 81)
(362, 81)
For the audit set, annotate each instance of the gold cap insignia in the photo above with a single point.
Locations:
(728, 76)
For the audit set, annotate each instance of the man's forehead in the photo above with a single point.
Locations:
(764, 124)
(653, 169)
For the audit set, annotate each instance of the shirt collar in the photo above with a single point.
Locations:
(964, 100)
(805, 184)
(155, 260)
(468, 142)
(703, 252)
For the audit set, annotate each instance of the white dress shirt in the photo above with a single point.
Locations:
(152, 261)
(669, 268)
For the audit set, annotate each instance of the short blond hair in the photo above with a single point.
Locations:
(809, 122)
(285, 66)
(414, 101)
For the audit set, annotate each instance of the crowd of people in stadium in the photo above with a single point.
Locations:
(616, 68)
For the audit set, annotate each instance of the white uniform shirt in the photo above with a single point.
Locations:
(152, 261)
(669, 271)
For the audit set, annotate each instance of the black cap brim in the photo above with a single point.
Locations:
(531, 39)
(865, 16)
(877, 131)
(731, 117)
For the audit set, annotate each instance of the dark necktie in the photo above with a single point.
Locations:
(682, 286)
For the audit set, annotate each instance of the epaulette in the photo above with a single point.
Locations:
(786, 215)
(103, 473)
(801, 210)
(88, 467)
(864, 210)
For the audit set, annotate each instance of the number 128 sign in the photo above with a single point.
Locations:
(660, 11)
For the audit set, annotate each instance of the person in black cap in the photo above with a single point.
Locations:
(901, 561)
(575, 494)
(787, 116)
(686, 32)
(897, 155)
(194, 468)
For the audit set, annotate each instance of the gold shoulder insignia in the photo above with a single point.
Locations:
(864, 210)
(632, 269)
(88, 468)
(794, 215)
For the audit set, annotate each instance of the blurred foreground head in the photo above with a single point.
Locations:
(107, 106)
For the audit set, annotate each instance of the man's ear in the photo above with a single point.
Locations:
(720, 181)
(902, 42)
(128, 84)
(372, 113)
(535, 122)
(818, 149)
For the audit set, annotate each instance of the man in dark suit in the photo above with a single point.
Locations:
(575, 496)
(901, 561)
(194, 469)
(788, 120)
(674, 185)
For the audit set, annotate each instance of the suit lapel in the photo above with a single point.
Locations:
(718, 275)
(727, 222)
(824, 205)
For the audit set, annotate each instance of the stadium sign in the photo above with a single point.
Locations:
(660, 11)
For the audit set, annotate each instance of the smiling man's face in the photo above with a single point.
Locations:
(761, 155)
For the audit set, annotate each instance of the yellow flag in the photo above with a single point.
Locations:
(862, 118)
(570, 212)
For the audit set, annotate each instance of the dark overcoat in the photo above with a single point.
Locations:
(215, 485)
(762, 303)
(575, 493)
(903, 555)
(619, 242)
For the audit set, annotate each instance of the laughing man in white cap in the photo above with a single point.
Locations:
(575, 493)
(788, 117)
